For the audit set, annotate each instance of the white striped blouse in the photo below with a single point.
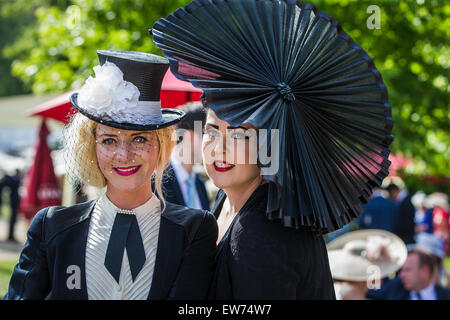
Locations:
(100, 283)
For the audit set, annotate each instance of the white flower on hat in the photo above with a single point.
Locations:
(379, 249)
(108, 94)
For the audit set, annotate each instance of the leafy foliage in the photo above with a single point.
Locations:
(12, 21)
(410, 49)
(58, 54)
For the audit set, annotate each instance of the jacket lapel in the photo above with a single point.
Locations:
(71, 284)
(172, 188)
(168, 258)
(440, 293)
(201, 191)
(177, 194)
(79, 254)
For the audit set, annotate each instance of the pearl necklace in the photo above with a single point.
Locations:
(125, 211)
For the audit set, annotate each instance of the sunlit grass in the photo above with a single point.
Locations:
(6, 269)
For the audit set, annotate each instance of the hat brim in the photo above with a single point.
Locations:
(169, 118)
(340, 263)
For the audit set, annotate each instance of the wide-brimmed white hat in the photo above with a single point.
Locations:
(438, 199)
(359, 255)
(419, 199)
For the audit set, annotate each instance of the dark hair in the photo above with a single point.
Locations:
(392, 187)
(425, 259)
(203, 101)
(194, 112)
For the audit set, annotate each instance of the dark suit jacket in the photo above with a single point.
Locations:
(261, 259)
(405, 224)
(379, 213)
(394, 290)
(57, 240)
(172, 190)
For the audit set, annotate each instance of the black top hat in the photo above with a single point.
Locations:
(128, 92)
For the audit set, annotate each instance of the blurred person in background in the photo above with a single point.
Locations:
(183, 185)
(423, 215)
(432, 245)
(13, 183)
(404, 224)
(441, 225)
(379, 213)
(416, 281)
(360, 260)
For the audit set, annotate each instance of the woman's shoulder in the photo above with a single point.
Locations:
(51, 220)
(62, 214)
(188, 218)
(182, 215)
(257, 224)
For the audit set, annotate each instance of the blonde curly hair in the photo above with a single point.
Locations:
(81, 157)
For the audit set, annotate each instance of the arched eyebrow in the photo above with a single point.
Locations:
(141, 133)
(229, 127)
(238, 127)
(132, 135)
(212, 125)
(107, 135)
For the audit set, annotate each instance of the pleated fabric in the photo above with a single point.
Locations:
(100, 283)
(284, 65)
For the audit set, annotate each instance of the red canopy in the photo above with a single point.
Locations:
(174, 93)
(398, 162)
(40, 184)
(57, 108)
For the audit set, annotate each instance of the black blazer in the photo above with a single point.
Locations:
(57, 240)
(405, 224)
(394, 290)
(261, 259)
(172, 190)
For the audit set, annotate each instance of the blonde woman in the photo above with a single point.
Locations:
(130, 243)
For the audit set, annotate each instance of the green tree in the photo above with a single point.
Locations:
(12, 22)
(410, 49)
(15, 17)
(59, 52)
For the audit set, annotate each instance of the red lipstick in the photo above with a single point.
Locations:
(223, 169)
(127, 171)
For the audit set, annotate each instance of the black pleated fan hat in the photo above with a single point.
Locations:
(282, 64)
(141, 71)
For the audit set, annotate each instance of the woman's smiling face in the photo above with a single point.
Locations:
(228, 156)
(126, 158)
